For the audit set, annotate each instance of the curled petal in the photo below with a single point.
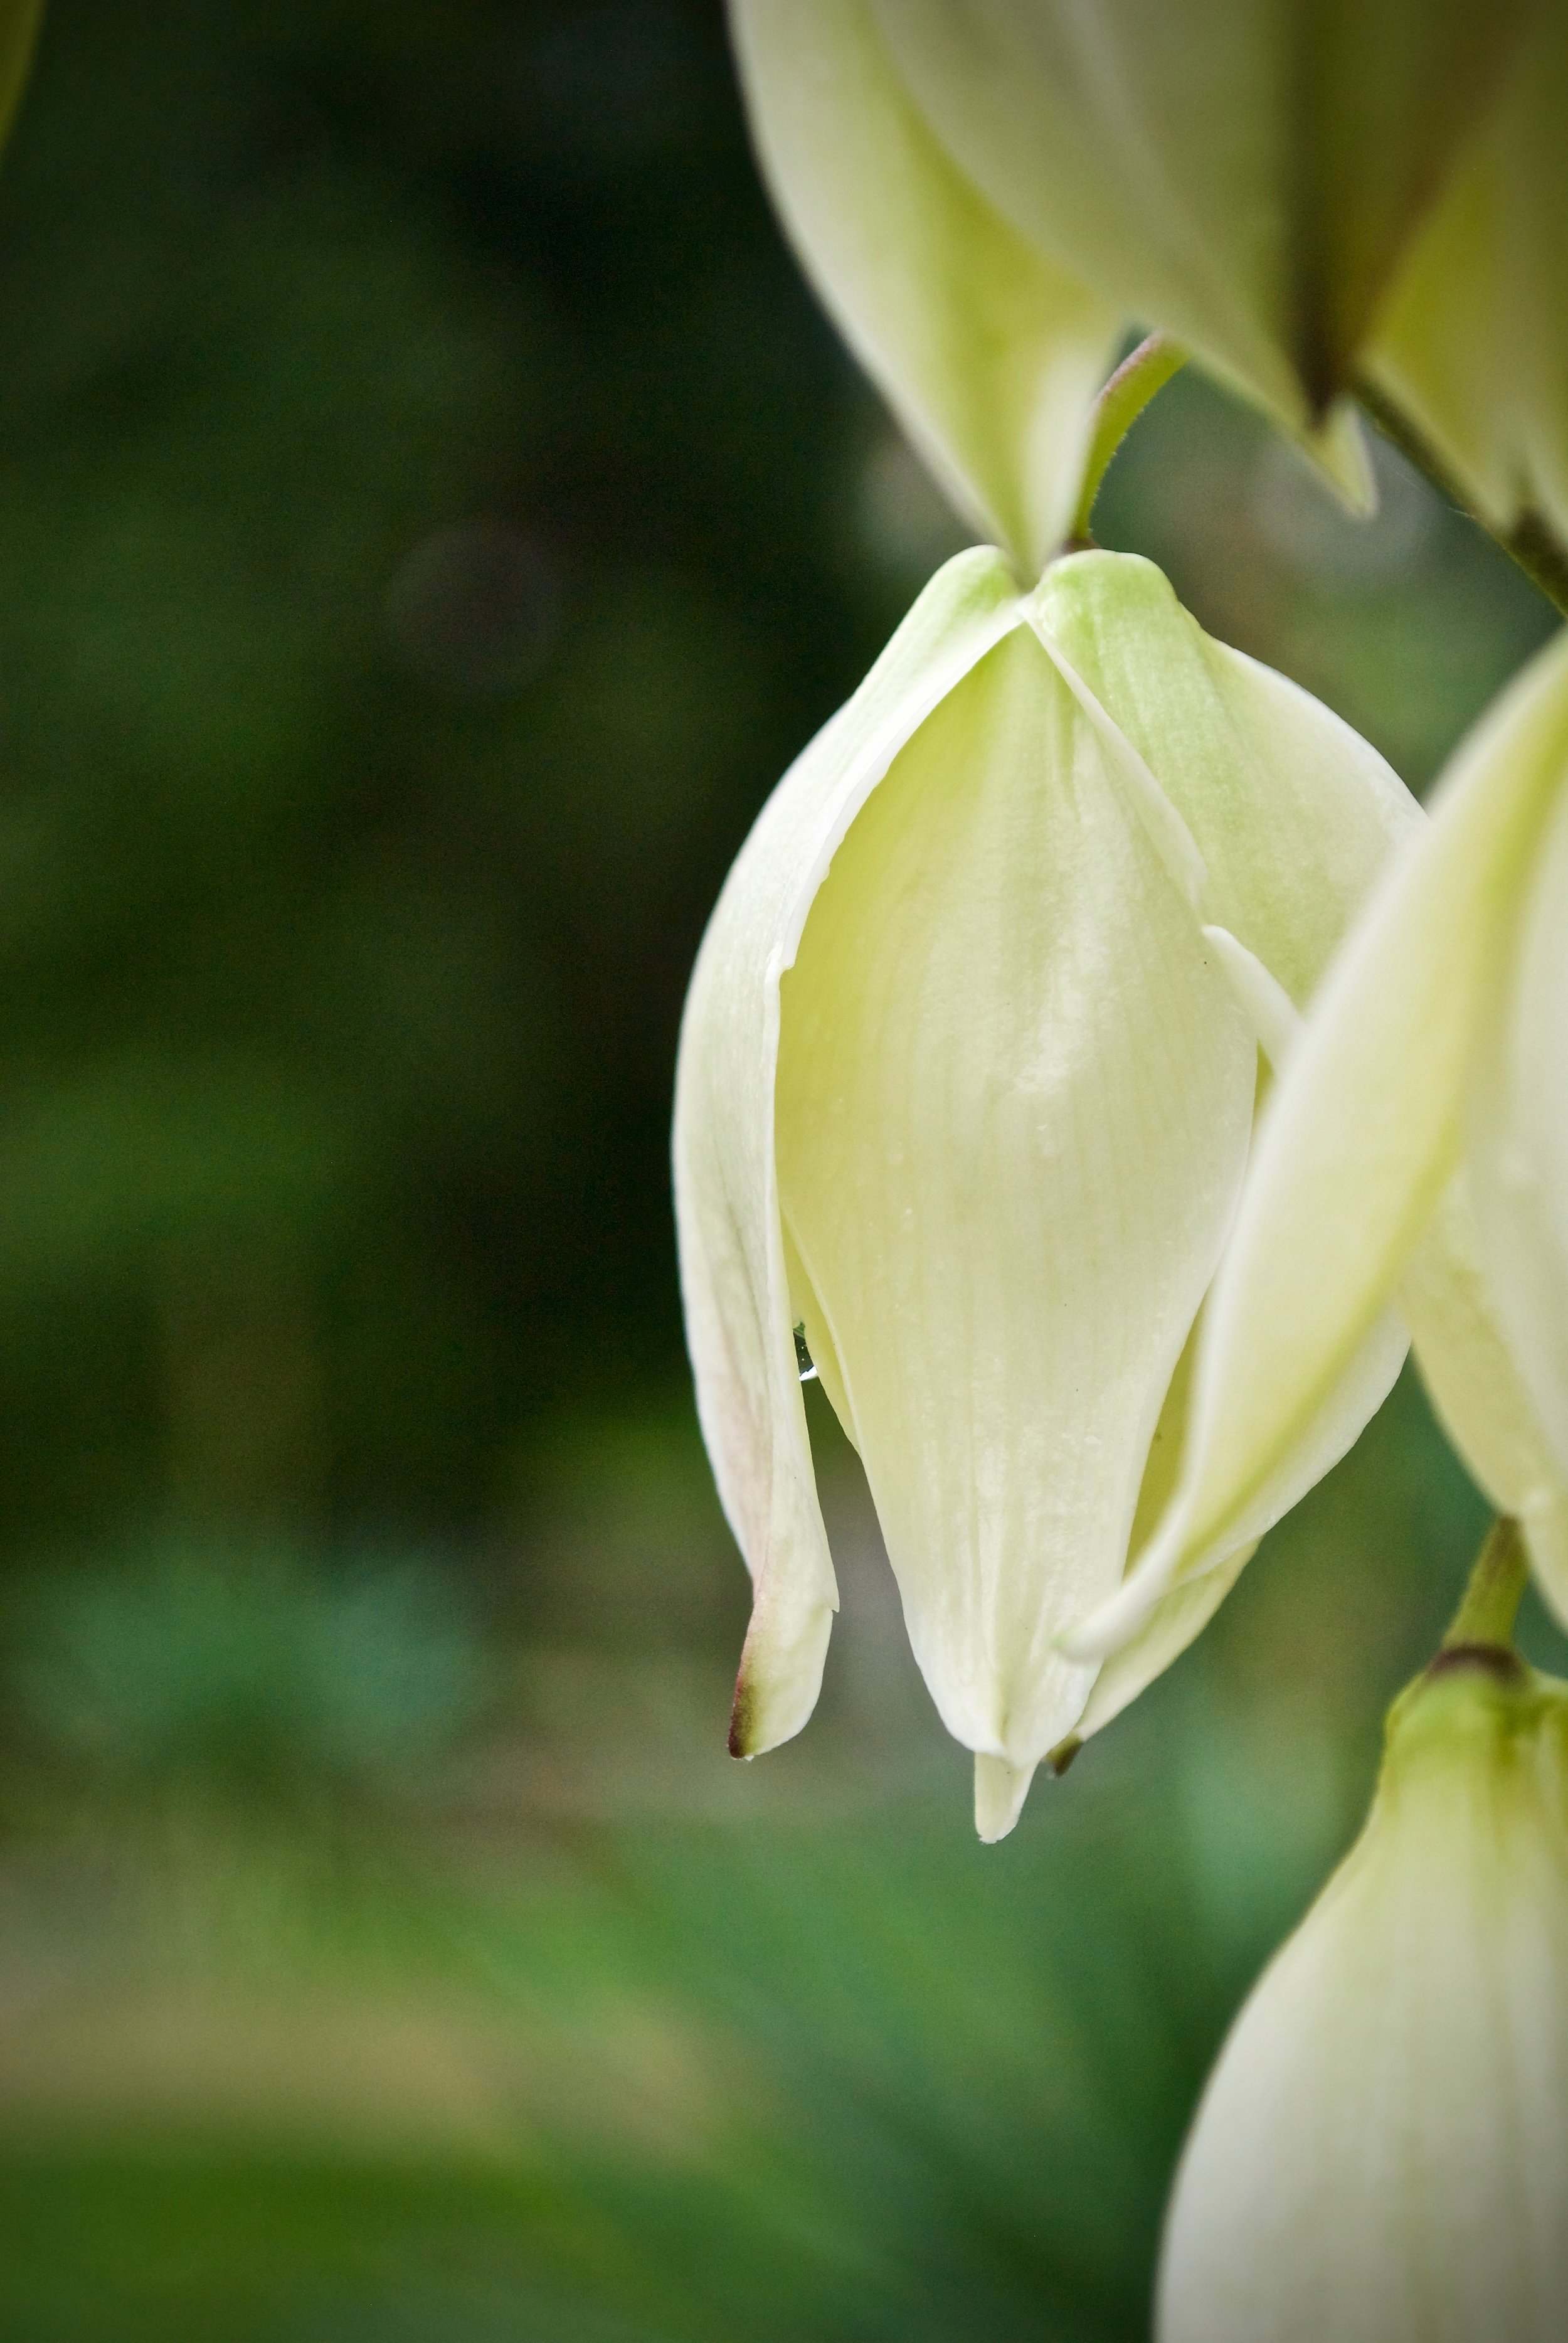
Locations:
(1519, 1179)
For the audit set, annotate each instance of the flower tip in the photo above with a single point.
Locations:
(743, 1719)
(746, 1725)
(1001, 1790)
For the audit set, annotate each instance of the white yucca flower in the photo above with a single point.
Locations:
(966, 1092)
(1382, 2153)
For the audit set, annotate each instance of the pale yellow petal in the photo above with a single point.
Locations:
(1381, 2156)
(990, 354)
(738, 1310)
(1014, 1100)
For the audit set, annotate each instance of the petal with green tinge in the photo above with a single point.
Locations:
(1476, 1389)
(989, 355)
(1381, 2155)
(1243, 175)
(1473, 344)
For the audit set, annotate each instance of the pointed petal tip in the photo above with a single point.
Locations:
(1001, 1790)
(780, 1675)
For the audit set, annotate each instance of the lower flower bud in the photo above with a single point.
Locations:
(1382, 2154)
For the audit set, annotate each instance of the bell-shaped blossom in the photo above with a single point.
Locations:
(989, 193)
(966, 1092)
(1244, 174)
(1417, 1150)
(1382, 2153)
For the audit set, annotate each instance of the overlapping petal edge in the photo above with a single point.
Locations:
(1359, 1196)
(734, 1283)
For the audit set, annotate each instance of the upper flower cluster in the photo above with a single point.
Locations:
(989, 194)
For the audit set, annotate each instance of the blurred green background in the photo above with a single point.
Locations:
(432, 512)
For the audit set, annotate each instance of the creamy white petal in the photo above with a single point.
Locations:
(734, 1278)
(1362, 1135)
(1382, 2154)
(1473, 345)
(989, 353)
(1294, 815)
(1240, 174)
(1476, 1390)
(1014, 1102)
(1519, 1143)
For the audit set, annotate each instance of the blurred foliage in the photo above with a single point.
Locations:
(433, 513)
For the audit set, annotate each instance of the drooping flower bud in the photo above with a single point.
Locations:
(989, 193)
(966, 1092)
(1382, 2153)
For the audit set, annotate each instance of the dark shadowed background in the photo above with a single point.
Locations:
(432, 513)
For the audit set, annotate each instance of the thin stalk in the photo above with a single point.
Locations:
(1490, 1603)
(1117, 408)
(1529, 543)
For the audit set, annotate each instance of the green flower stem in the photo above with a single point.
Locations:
(1530, 544)
(1486, 1613)
(1117, 408)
